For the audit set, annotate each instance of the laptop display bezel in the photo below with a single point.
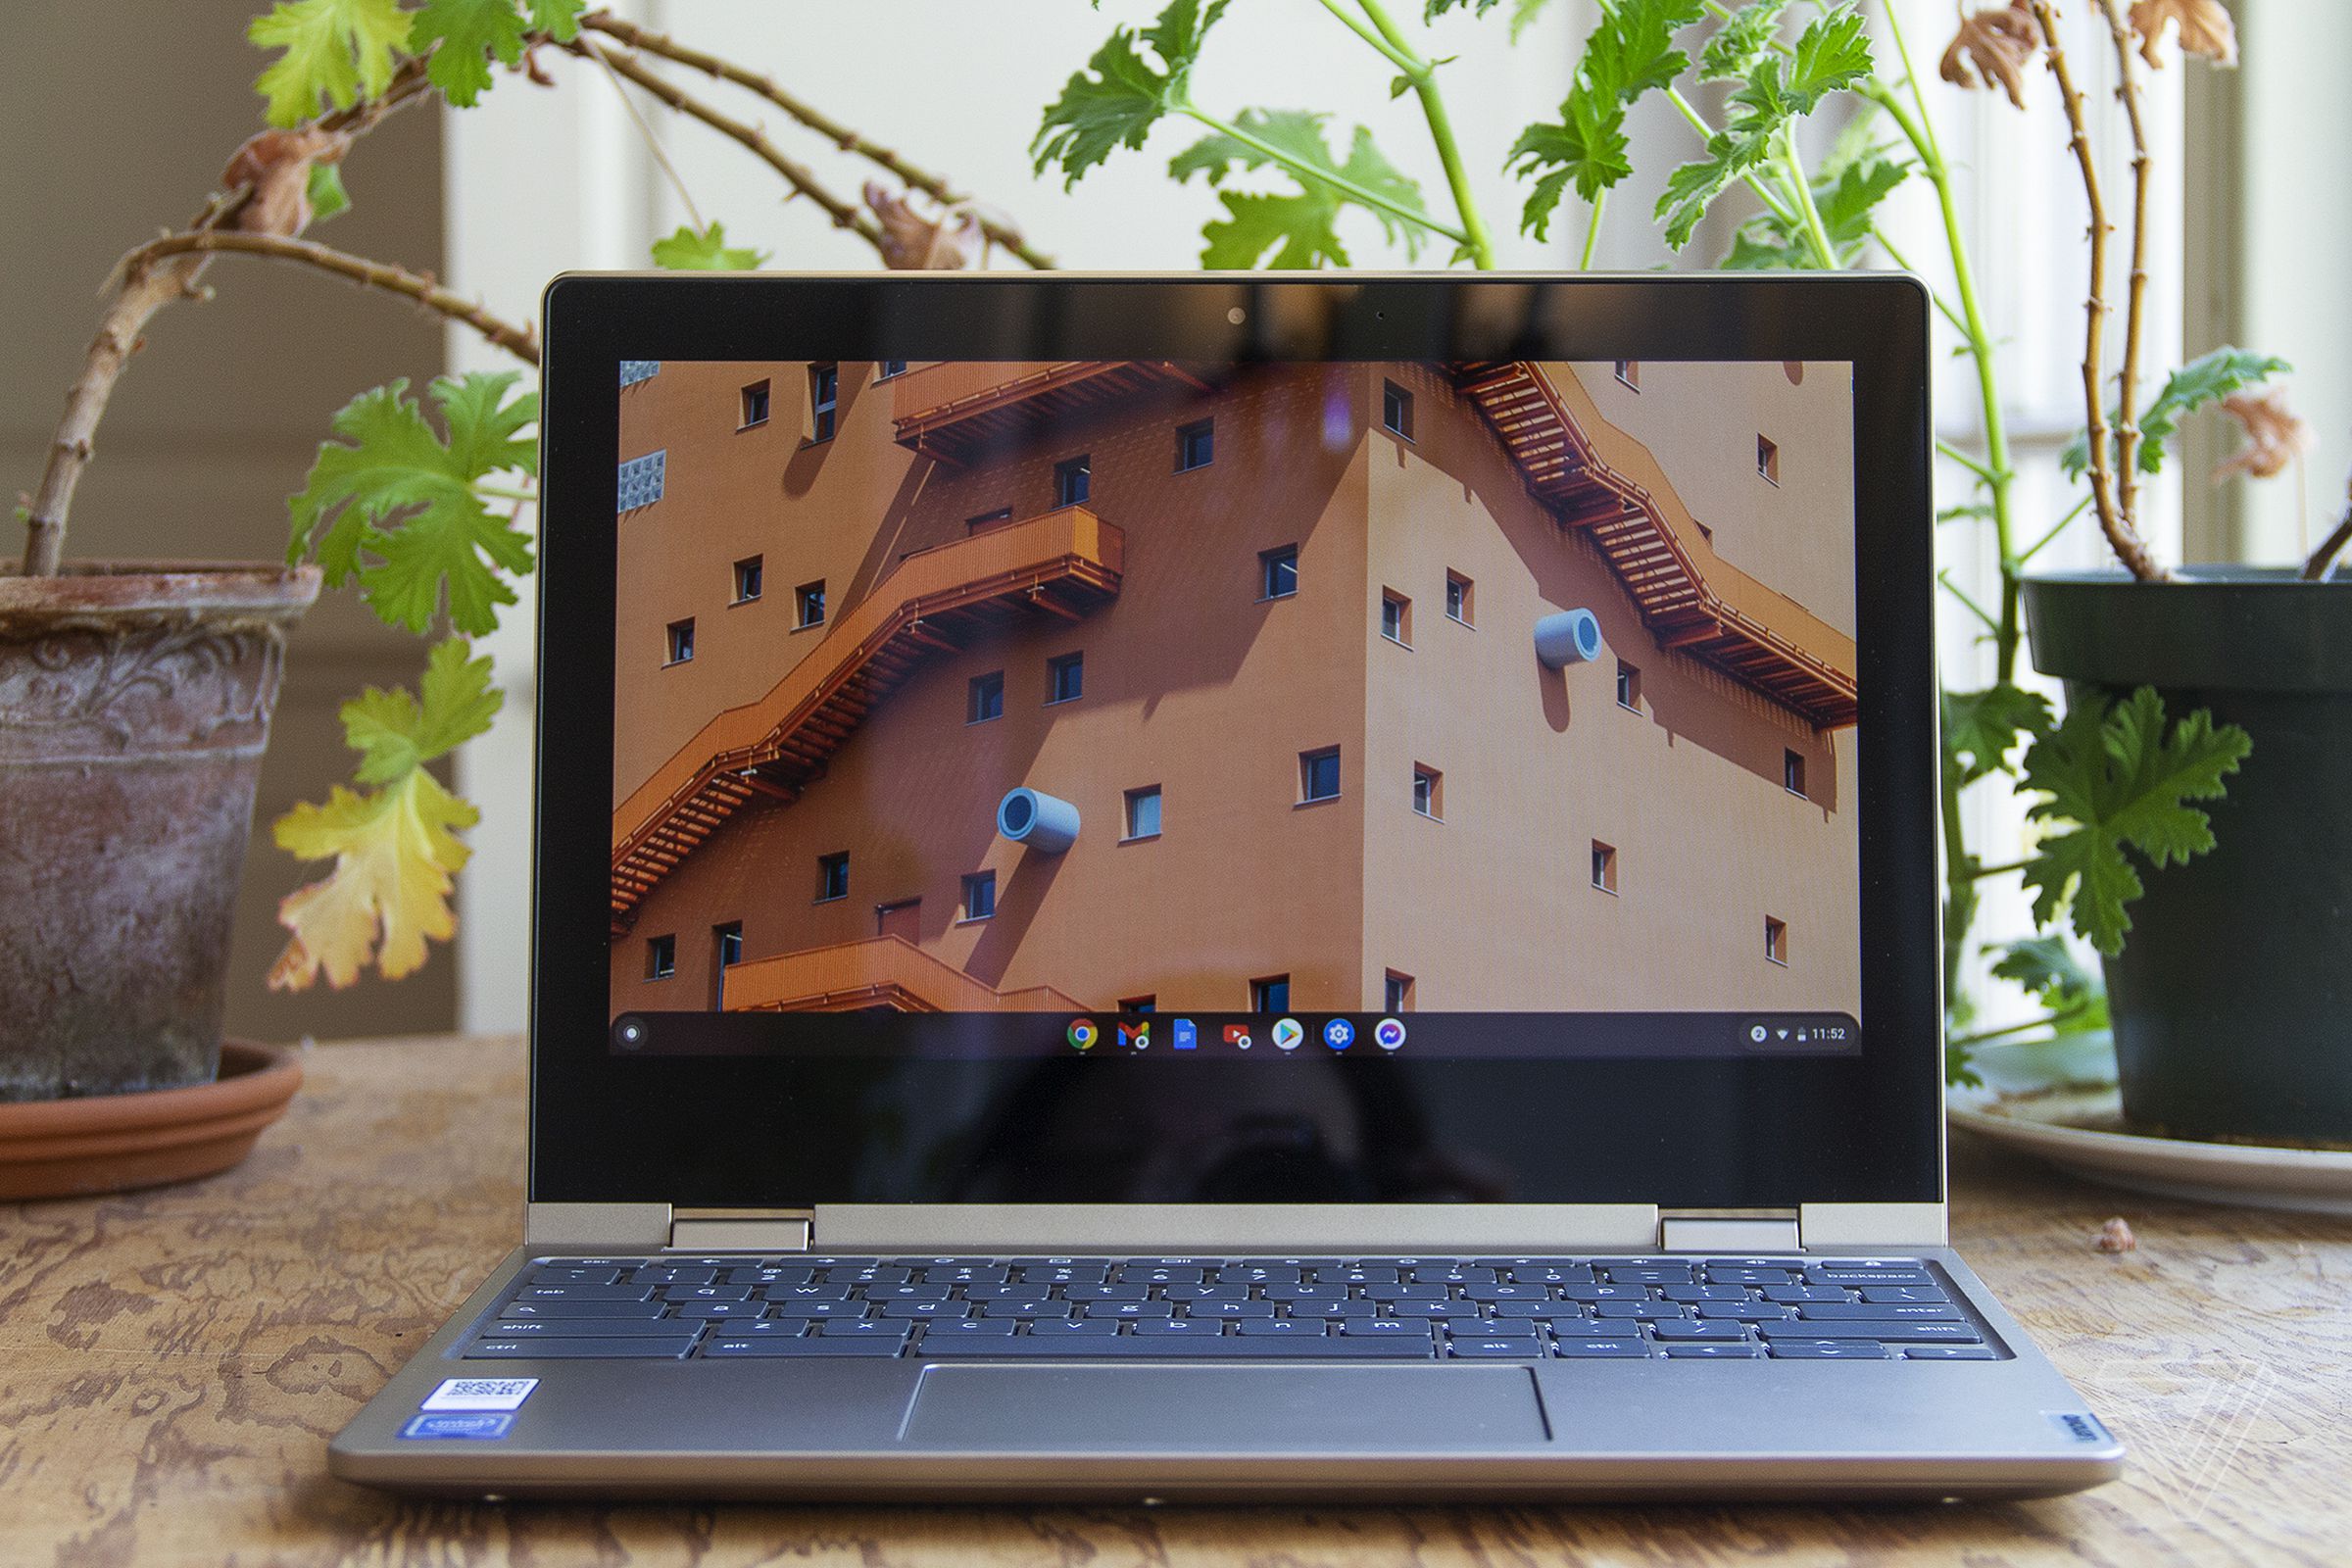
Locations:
(715, 1132)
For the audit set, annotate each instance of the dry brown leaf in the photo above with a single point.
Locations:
(1999, 44)
(2116, 1236)
(275, 167)
(2275, 436)
(2205, 28)
(912, 242)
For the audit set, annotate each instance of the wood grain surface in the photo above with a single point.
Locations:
(173, 1363)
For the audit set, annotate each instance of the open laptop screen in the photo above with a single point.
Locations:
(1113, 708)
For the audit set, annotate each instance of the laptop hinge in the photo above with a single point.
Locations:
(1735, 1235)
(741, 1230)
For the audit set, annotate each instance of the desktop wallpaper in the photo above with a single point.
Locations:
(1114, 687)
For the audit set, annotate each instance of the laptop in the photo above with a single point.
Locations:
(1212, 887)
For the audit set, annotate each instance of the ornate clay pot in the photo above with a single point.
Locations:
(134, 704)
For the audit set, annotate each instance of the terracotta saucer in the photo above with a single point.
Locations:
(105, 1143)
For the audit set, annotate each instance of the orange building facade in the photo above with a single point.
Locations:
(1286, 644)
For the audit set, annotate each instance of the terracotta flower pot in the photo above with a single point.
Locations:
(134, 704)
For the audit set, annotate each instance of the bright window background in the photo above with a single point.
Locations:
(542, 182)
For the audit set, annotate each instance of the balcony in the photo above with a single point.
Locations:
(955, 408)
(1063, 563)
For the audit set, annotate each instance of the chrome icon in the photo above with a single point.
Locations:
(1288, 1034)
(1083, 1034)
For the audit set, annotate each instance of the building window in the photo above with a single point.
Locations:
(1272, 994)
(1195, 445)
(979, 895)
(1396, 409)
(660, 958)
(1396, 994)
(987, 519)
(754, 405)
(1429, 791)
(1142, 813)
(984, 698)
(1148, 1004)
(1065, 679)
(642, 479)
(1458, 592)
(808, 604)
(633, 371)
(832, 876)
(1768, 460)
(1278, 572)
(748, 578)
(884, 370)
(1396, 618)
(1628, 372)
(1073, 481)
(1629, 686)
(1793, 770)
(1776, 939)
(726, 942)
(682, 641)
(1319, 774)
(1604, 866)
(824, 398)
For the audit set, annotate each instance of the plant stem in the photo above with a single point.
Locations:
(1423, 77)
(1920, 131)
(1957, 592)
(2316, 569)
(1825, 255)
(2126, 402)
(2048, 1021)
(1706, 132)
(1363, 29)
(500, 492)
(1959, 886)
(916, 178)
(2056, 528)
(1886, 243)
(803, 183)
(520, 341)
(1309, 171)
(645, 134)
(1946, 449)
(1592, 229)
(2129, 547)
(1980, 872)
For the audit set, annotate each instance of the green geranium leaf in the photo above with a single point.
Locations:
(394, 732)
(560, 19)
(1740, 41)
(2207, 378)
(2121, 781)
(706, 251)
(326, 191)
(1524, 13)
(336, 51)
(1631, 53)
(1115, 102)
(394, 505)
(1981, 728)
(465, 36)
(1434, 9)
(1845, 199)
(1298, 229)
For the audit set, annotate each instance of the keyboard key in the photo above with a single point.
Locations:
(1621, 1346)
(585, 1292)
(1228, 1309)
(1473, 1350)
(1826, 1350)
(1850, 1311)
(706, 1292)
(1640, 1311)
(1692, 1295)
(1887, 1330)
(806, 1293)
(698, 1310)
(1434, 1309)
(588, 1310)
(971, 1328)
(925, 1310)
(554, 1275)
(1130, 1310)
(1717, 1352)
(871, 1328)
(818, 1309)
(667, 1274)
(779, 1346)
(1749, 1276)
(1287, 1327)
(1146, 1274)
(1406, 1293)
(907, 1293)
(1603, 1293)
(1389, 1328)
(1949, 1353)
(1794, 1294)
(1068, 1328)
(1182, 1348)
(1698, 1332)
(1885, 1295)
(1508, 1327)
(1548, 1274)
(1107, 1292)
(1743, 1312)
(637, 1347)
(576, 1328)
(1533, 1309)
(1178, 1327)
(1347, 1308)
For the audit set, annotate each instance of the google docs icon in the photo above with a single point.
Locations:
(1186, 1037)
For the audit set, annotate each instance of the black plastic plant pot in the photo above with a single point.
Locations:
(2232, 1000)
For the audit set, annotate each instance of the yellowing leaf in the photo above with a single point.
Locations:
(336, 51)
(1994, 48)
(395, 852)
(2205, 28)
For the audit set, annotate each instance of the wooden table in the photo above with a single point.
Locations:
(173, 1363)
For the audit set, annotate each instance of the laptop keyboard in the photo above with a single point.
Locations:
(1194, 1308)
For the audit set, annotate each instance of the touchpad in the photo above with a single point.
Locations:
(1161, 1409)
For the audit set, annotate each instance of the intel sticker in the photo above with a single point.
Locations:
(459, 1424)
(479, 1393)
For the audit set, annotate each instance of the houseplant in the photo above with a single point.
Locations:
(135, 697)
(1784, 67)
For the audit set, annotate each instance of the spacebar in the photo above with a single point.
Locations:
(1224, 1347)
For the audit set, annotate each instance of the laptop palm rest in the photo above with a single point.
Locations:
(1224, 1409)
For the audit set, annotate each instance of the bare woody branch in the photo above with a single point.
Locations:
(2126, 403)
(916, 178)
(804, 181)
(2121, 536)
(2332, 546)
